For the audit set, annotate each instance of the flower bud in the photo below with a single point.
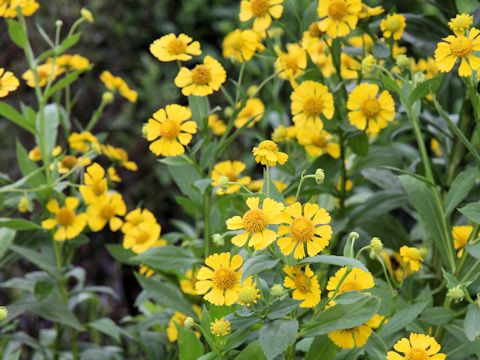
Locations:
(319, 176)
(419, 77)
(87, 15)
(107, 97)
(252, 90)
(58, 23)
(189, 322)
(3, 313)
(218, 239)
(403, 62)
(353, 236)
(223, 182)
(456, 293)
(368, 64)
(23, 205)
(277, 290)
(228, 111)
(376, 244)
(220, 327)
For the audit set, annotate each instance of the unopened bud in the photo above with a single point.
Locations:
(376, 244)
(456, 293)
(353, 236)
(3, 313)
(58, 23)
(228, 111)
(107, 97)
(218, 239)
(144, 131)
(319, 176)
(23, 204)
(223, 182)
(419, 77)
(252, 90)
(367, 64)
(277, 290)
(189, 323)
(403, 62)
(87, 15)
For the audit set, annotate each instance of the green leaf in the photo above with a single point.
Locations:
(471, 326)
(281, 308)
(426, 201)
(351, 310)
(200, 107)
(277, 335)
(425, 88)
(472, 211)
(16, 33)
(9, 113)
(64, 46)
(473, 250)
(40, 260)
(28, 167)
(467, 6)
(167, 258)
(390, 84)
(460, 188)
(6, 238)
(108, 327)
(358, 143)
(165, 294)
(452, 281)
(51, 115)
(185, 174)
(334, 260)
(402, 318)
(257, 264)
(253, 351)
(322, 348)
(18, 224)
(42, 289)
(437, 315)
(376, 347)
(190, 347)
(120, 254)
(381, 51)
(64, 82)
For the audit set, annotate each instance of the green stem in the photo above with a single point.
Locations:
(206, 227)
(267, 171)
(96, 116)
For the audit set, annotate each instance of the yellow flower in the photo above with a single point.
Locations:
(23, 205)
(70, 162)
(8, 82)
(393, 26)
(248, 293)
(178, 318)
(255, 223)
(241, 45)
(411, 257)
(318, 51)
(220, 327)
(267, 154)
(338, 17)
(170, 129)
(36, 155)
(357, 336)
(172, 47)
(427, 66)
(262, 11)
(416, 347)
(83, 142)
(135, 217)
(393, 262)
(232, 170)
(435, 147)
(217, 126)
(187, 284)
(145, 271)
(460, 48)
(69, 62)
(117, 84)
(305, 229)
(8, 8)
(87, 15)
(142, 231)
(119, 155)
(291, 64)
(68, 224)
(95, 184)
(368, 112)
(304, 284)
(310, 101)
(252, 113)
(349, 67)
(460, 23)
(282, 133)
(113, 175)
(44, 72)
(203, 79)
(317, 143)
(356, 280)
(368, 11)
(105, 210)
(460, 235)
(220, 279)
(363, 41)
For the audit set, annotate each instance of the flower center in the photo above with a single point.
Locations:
(176, 46)
(291, 63)
(259, 7)
(320, 141)
(302, 230)
(231, 176)
(201, 75)
(255, 220)
(312, 106)
(65, 217)
(142, 237)
(350, 285)
(337, 10)
(371, 108)
(98, 187)
(169, 129)
(224, 279)
(393, 24)
(268, 145)
(69, 161)
(108, 211)
(314, 30)
(417, 354)
(461, 46)
(302, 282)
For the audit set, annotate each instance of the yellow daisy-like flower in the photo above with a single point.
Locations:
(317, 49)
(203, 79)
(357, 336)
(255, 223)
(310, 101)
(68, 62)
(411, 257)
(69, 162)
(117, 84)
(282, 133)
(217, 126)
(106, 210)
(304, 284)
(368, 11)
(393, 26)
(459, 48)
(170, 130)
(142, 231)
(460, 23)
(368, 112)
(8, 8)
(94, 184)
(220, 279)
(248, 293)
(172, 47)
(318, 143)
(119, 155)
(460, 235)
(135, 217)
(68, 224)
(426, 66)
(416, 347)
(338, 17)
(363, 41)
(349, 67)
(8, 82)
(262, 11)
(356, 280)
(307, 228)
(393, 262)
(291, 64)
(267, 153)
(241, 45)
(187, 284)
(220, 327)
(252, 113)
(83, 142)
(178, 318)
(44, 72)
(232, 170)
